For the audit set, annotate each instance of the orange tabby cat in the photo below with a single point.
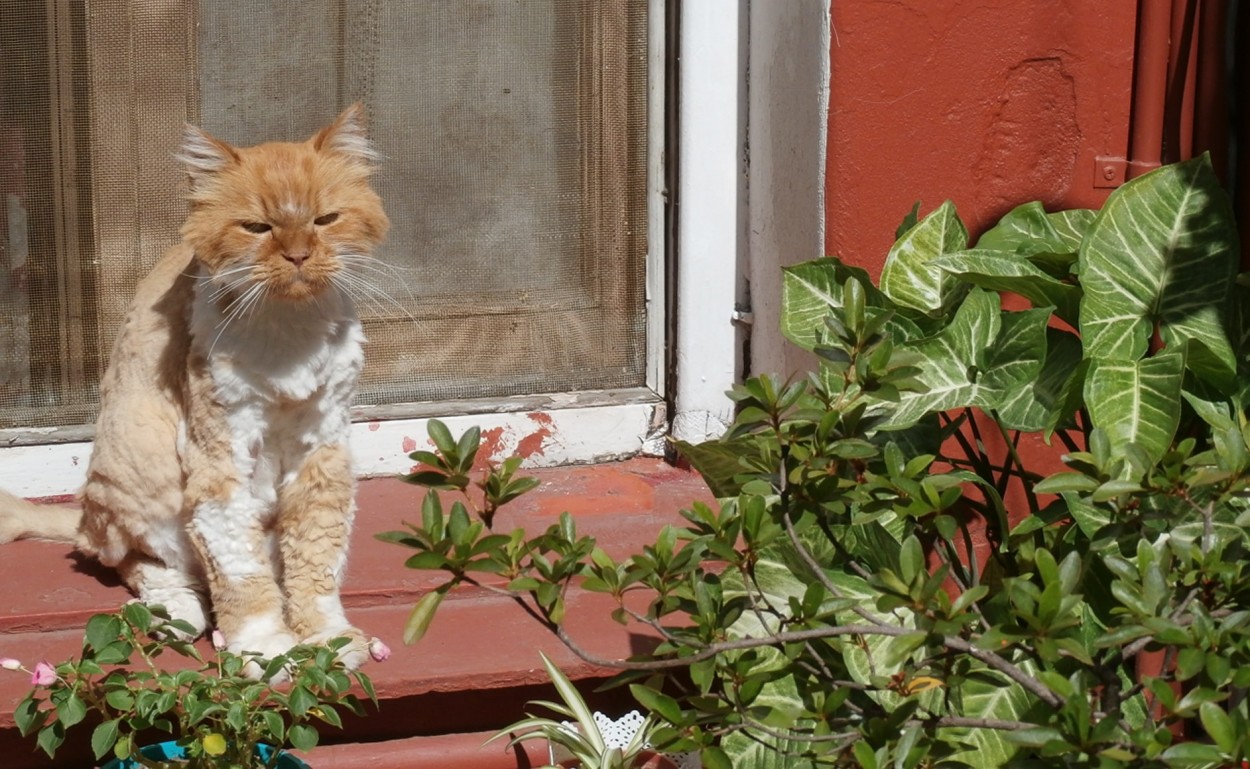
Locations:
(220, 462)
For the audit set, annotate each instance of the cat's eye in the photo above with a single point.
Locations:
(256, 228)
(325, 219)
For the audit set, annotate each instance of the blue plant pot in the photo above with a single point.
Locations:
(172, 751)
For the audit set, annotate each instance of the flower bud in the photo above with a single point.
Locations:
(8, 663)
(219, 640)
(378, 650)
(43, 675)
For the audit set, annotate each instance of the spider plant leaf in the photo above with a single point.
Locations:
(573, 699)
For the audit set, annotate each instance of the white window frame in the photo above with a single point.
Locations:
(718, 220)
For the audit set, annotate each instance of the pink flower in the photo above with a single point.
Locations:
(378, 650)
(43, 675)
(8, 663)
(219, 640)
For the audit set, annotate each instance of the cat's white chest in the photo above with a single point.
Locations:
(285, 375)
(290, 361)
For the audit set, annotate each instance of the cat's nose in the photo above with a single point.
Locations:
(296, 258)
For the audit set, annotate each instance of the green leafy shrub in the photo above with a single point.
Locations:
(863, 595)
(217, 711)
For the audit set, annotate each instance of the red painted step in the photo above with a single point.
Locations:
(471, 674)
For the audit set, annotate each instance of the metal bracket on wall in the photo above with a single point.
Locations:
(1112, 171)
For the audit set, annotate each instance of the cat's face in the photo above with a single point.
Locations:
(283, 220)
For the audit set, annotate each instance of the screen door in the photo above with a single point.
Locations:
(513, 136)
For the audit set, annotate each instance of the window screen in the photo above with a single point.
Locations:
(513, 137)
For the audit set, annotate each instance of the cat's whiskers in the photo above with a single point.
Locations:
(366, 266)
(357, 279)
(242, 306)
(225, 282)
(347, 285)
(360, 288)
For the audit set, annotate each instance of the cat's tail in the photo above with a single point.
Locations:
(20, 519)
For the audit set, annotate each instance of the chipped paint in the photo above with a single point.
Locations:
(555, 437)
(533, 443)
(491, 447)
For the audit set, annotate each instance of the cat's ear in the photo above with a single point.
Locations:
(346, 136)
(204, 156)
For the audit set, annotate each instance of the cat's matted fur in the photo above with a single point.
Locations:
(220, 463)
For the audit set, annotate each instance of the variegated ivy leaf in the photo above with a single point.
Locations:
(983, 697)
(811, 290)
(1003, 271)
(909, 277)
(1162, 255)
(983, 358)
(1029, 229)
(1137, 401)
(1043, 402)
(952, 362)
(1015, 358)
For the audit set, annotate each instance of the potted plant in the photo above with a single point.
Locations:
(214, 712)
(588, 740)
(894, 574)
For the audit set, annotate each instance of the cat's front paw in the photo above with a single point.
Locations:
(358, 648)
(259, 649)
(184, 605)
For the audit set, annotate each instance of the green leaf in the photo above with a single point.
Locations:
(102, 629)
(419, 620)
(1066, 481)
(911, 560)
(1014, 360)
(275, 726)
(138, 614)
(72, 711)
(1162, 255)
(302, 737)
(864, 755)
(1002, 271)
(719, 462)
(812, 290)
(103, 737)
(466, 447)
(424, 561)
(329, 715)
(712, 757)
(951, 362)
(1219, 726)
(909, 221)
(1192, 754)
(442, 438)
(50, 738)
(577, 706)
(1047, 400)
(657, 702)
(301, 700)
(1137, 401)
(28, 716)
(909, 277)
(1028, 229)
(432, 478)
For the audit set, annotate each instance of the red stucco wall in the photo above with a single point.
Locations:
(986, 103)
